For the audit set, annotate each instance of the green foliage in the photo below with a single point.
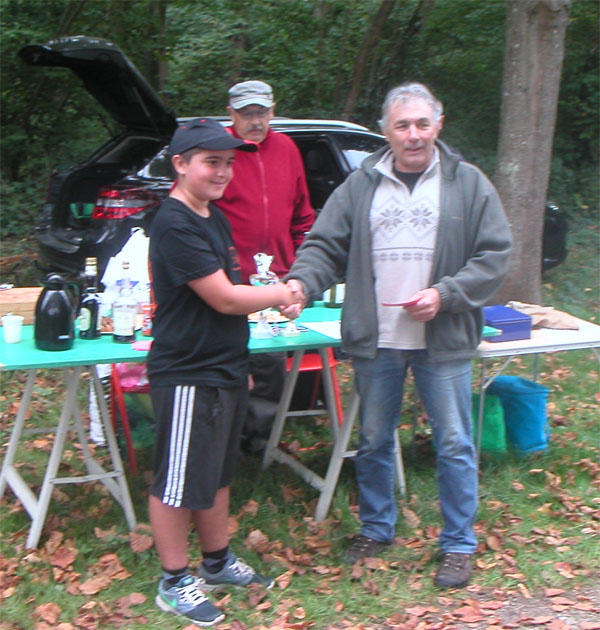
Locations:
(23, 199)
(306, 49)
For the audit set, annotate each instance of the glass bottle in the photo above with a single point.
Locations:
(124, 310)
(88, 320)
(334, 297)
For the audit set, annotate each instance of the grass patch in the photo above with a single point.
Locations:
(537, 523)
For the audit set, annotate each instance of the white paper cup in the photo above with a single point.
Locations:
(11, 325)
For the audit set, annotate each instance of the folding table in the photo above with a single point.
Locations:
(542, 340)
(84, 356)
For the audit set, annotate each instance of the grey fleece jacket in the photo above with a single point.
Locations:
(470, 257)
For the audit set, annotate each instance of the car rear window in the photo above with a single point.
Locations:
(357, 147)
(160, 166)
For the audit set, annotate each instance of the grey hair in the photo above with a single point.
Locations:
(407, 92)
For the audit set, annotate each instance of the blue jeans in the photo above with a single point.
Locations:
(445, 389)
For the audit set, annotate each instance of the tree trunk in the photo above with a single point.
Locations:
(360, 64)
(155, 57)
(535, 36)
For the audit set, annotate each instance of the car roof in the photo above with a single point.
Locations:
(281, 122)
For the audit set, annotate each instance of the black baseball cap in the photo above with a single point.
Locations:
(205, 133)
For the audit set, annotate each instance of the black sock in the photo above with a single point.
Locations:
(214, 561)
(173, 576)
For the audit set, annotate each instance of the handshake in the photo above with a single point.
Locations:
(297, 300)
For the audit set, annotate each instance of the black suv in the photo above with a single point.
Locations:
(91, 207)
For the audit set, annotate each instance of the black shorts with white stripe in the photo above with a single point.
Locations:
(197, 442)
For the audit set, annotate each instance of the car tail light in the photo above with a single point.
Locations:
(115, 203)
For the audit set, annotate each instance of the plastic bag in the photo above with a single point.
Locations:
(524, 405)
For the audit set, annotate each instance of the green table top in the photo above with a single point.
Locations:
(25, 356)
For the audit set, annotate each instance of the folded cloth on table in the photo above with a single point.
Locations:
(545, 316)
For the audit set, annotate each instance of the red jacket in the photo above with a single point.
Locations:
(267, 203)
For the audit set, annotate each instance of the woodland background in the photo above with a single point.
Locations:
(325, 59)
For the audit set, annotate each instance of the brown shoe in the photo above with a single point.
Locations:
(455, 570)
(363, 547)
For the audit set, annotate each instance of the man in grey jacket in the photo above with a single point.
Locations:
(422, 242)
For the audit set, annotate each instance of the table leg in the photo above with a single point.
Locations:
(119, 489)
(282, 409)
(329, 393)
(41, 509)
(15, 436)
(337, 458)
(115, 480)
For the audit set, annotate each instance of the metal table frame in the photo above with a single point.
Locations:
(70, 418)
(83, 357)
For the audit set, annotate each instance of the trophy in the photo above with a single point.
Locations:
(263, 277)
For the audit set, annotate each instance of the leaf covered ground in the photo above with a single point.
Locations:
(538, 526)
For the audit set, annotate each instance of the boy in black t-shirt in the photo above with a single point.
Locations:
(198, 368)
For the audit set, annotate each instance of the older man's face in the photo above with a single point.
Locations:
(251, 122)
(411, 132)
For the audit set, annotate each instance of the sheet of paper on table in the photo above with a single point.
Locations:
(329, 329)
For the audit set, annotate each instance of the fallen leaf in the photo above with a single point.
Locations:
(140, 542)
(95, 585)
(494, 542)
(101, 534)
(48, 612)
(137, 598)
(257, 541)
(468, 614)
(290, 494)
(372, 587)
(524, 591)
(541, 621)
(283, 580)
(492, 605)
(411, 518)
(565, 569)
(299, 613)
(63, 557)
(356, 572)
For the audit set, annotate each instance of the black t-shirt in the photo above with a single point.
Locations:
(410, 179)
(193, 343)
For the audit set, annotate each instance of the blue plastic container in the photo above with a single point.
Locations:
(513, 324)
(524, 404)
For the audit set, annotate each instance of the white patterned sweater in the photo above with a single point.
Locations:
(403, 233)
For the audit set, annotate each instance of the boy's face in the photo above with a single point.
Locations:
(207, 173)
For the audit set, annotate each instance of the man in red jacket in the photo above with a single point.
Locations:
(268, 206)
(267, 201)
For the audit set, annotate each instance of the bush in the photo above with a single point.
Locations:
(20, 206)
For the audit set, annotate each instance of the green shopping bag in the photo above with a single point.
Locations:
(493, 434)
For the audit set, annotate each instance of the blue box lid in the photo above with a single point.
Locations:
(500, 314)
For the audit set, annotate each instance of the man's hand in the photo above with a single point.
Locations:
(299, 298)
(427, 305)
